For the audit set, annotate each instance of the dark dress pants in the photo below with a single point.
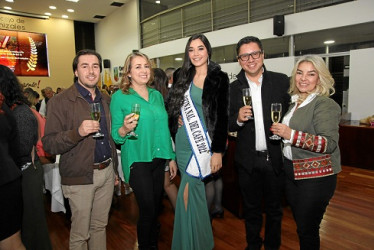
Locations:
(147, 181)
(308, 200)
(262, 187)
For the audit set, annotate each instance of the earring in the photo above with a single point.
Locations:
(208, 60)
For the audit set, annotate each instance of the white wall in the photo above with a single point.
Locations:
(118, 34)
(361, 83)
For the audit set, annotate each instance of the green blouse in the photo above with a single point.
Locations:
(153, 140)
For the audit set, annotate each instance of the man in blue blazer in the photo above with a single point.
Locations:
(257, 158)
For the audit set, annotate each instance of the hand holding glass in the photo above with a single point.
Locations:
(135, 108)
(247, 99)
(276, 112)
(95, 115)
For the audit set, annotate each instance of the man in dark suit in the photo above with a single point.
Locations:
(257, 158)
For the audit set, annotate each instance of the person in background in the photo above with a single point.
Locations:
(257, 158)
(33, 98)
(10, 180)
(37, 106)
(43, 105)
(160, 83)
(44, 157)
(169, 73)
(200, 96)
(310, 131)
(33, 215)
(88, 165)
(59, 90)
(144, 153)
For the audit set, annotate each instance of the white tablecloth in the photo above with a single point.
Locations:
(52, 182)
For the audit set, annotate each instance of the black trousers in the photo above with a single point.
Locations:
(147, 181)
(308, 200)
(262, 187)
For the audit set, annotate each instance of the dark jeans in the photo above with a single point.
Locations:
(308, 200)
(262, 187)
(147, 181)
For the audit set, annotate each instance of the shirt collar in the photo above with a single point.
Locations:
(86, 94)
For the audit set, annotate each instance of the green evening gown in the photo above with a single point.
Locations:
(192, 228)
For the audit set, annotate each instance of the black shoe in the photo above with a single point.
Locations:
(217, 214)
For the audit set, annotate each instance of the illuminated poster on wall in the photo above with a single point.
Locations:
(24, 53)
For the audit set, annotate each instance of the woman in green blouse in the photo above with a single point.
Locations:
(143, 156)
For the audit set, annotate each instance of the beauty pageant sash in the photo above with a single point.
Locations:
(199, 163)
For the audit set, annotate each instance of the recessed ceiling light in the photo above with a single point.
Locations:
(48, 14)
(158, 2)
(52, 7)
(65, 16)
(329, 42)
(178, 59)
(7, 8)
(70, 10)
(9, 1)
(74, 1)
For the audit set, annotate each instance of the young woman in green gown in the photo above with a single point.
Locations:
(208, 87)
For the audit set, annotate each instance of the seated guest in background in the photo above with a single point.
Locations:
(200, 95)
(145, 151)
(310, 130)
(34, 224)
(257, 158)
(87, 164)
(160, 82)
(10, 180)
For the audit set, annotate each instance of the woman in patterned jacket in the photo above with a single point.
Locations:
(310, 131)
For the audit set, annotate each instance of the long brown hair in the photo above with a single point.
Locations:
(126, 80)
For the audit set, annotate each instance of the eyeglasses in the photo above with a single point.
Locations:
(245, 57)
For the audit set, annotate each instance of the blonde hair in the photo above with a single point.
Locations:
(126, 80)
(325, 87)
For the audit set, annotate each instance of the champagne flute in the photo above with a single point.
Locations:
(276, 112)
(135, 108)
(247, 99)
(95, 115)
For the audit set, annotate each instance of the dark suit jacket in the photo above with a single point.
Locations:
(274, 89)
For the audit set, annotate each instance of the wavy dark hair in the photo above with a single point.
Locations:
(11, 88)
(185, 76)
(160, 81)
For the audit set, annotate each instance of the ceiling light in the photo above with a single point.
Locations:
(74, 1)
(7, 8)
(70, 10)
(19, 13)
(9, 1)
(329, 42)
(48, 14)
(178, 59)
(158, 2)
(65, 16)
(52, 7)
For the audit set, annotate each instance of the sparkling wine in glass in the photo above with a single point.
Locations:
(247, 99)
(135, 109)
(95, 115)
(276, 112)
